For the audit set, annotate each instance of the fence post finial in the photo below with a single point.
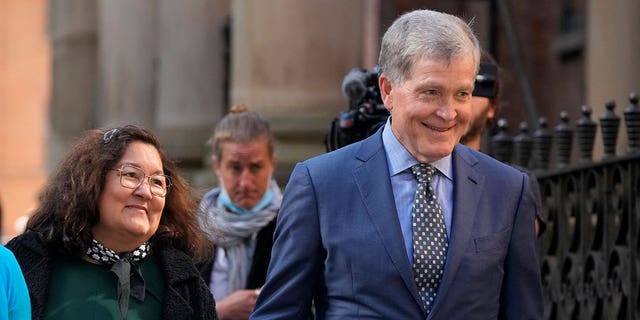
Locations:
(523, 146)
(502, 143)
(586, 135)
(542, 140)
(564, 140)
(632, 121)
(609, 124)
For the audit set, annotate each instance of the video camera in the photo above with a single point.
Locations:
(366, 111)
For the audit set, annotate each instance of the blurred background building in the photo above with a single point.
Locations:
(176, 66)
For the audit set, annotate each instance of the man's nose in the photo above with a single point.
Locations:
(446, 110)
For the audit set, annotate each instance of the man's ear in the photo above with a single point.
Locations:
(385, 91)
(491, 113)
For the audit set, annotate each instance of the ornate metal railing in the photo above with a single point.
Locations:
(590, 251)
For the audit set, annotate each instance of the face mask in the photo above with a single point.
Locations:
(263, 203)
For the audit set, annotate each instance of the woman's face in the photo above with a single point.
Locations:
(129, 217)
(244, 169)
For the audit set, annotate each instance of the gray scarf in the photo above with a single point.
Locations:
(232, 231)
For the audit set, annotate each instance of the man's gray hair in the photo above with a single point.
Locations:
(425, 33)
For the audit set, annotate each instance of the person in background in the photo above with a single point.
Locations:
(14, 296)
(408, 223)
(242, 209)
(486, 96)
(116, 235)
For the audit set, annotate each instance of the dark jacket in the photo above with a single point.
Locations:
(186, 296)
(260, 262)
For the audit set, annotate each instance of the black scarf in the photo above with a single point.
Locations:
(125, 267)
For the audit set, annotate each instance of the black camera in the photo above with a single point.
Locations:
(366, 111)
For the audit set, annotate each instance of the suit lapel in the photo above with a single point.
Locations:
(377, 196)
(468, 186)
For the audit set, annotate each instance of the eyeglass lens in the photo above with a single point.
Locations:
(132, 177)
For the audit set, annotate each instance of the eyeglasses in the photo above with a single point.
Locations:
(132, 177)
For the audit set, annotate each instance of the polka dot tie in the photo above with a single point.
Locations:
(429, 236)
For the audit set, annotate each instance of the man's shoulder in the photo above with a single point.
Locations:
(362, 150)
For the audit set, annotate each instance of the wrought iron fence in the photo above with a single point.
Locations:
(590, 251)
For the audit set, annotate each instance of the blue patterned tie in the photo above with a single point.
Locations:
(429, 236)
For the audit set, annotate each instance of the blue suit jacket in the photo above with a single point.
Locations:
(338, 242)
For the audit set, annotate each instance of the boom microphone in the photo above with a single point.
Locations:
(354, 84)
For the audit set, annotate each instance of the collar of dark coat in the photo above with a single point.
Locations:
(178, 266)
(31, 241)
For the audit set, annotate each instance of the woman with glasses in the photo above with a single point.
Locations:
(116, 235)
(240, 214)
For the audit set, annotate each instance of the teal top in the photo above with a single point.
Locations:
(14, 296)
(82, 290)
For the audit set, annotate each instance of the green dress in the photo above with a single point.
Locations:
(83, 290)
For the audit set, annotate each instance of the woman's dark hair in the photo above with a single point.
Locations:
(69, 202)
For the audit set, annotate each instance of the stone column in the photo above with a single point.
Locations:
(288, 61)
(612, 64)
(162, 65)
(127, 62)
(73, 84)
(191, 76)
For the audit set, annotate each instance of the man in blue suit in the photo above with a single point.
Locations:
(344, 245)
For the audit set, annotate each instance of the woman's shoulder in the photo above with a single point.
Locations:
(29, 240)
(33, 257)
